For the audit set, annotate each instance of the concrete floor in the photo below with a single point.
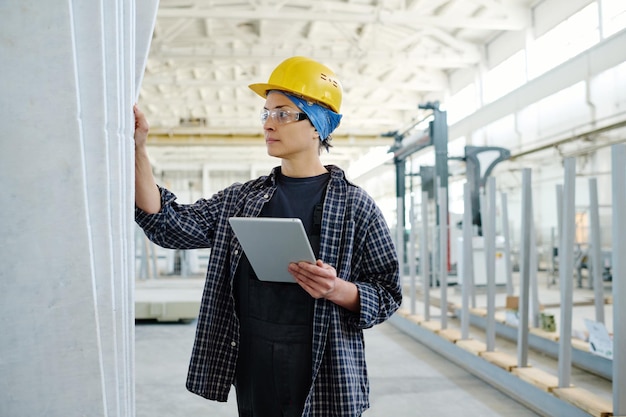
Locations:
(407, 379)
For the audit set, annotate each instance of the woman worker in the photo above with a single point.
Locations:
(289, 349)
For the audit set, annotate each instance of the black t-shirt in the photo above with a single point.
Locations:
(297, 197)
(274, 365)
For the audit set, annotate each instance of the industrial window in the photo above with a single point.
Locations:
(462, 104)
(564, 41)
(505, 77)
(613, 16)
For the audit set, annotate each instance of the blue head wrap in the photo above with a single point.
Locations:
(324, 120)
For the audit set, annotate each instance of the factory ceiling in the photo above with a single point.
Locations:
(391, 56)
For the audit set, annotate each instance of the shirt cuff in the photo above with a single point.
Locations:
(148, 220)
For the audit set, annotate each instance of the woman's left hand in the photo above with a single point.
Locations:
(320, 281)
(317, 279)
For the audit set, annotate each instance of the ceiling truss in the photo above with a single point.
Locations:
(391, 55)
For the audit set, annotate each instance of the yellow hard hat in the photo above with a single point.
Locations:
(304, 77)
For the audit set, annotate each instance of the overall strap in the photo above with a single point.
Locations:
(318, 211)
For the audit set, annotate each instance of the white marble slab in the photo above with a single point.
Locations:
(89, 35)
(112, 125)
(50, 350)
(66, 227)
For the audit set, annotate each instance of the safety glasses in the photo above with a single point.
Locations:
(282, 116)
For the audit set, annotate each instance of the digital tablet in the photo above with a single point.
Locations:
(271, 244)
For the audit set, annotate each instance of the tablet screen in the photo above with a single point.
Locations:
(271, 244)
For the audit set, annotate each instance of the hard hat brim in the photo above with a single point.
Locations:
(262, 88)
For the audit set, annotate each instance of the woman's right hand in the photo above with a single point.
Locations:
(141, 127)
(147, 195)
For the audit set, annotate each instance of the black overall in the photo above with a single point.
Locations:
(273, 375)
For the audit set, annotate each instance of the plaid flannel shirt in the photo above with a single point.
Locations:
(355, 239)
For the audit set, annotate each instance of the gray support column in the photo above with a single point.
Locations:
(483, 208)
(618, 189)
(510, 290)
(434, 244)
(411, 252)
(400, 236)
(596, 250)
(144, 266)
(551, 279)
(524, 286)
(443, 252)
(147, 256)
(400, 198)
(425, 257)
(535, 304)
(473, 277)
(559, 218)
(153, 259)
(489, 227)
(435, 240)
(566, 270)
(467, 280)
